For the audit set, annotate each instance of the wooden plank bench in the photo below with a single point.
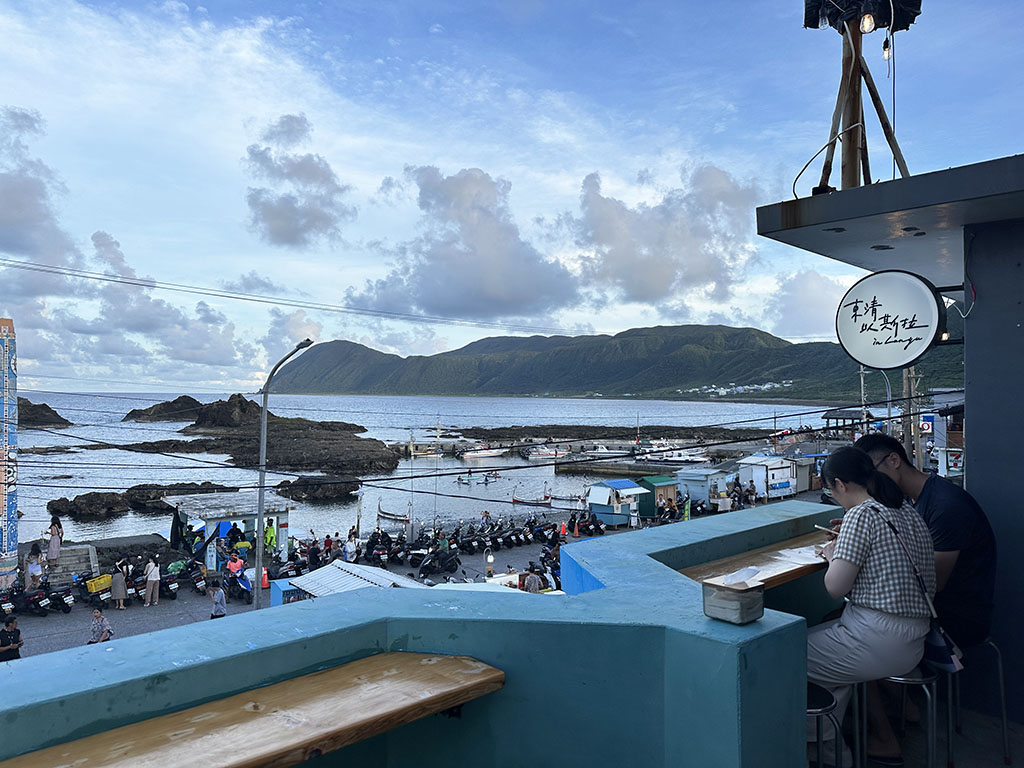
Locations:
(773, 572)
(286, 723)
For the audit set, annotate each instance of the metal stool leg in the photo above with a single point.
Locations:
(949, 720)
(929, 697)
(838, 740)
(819, 727)
(1002, 701)
(860, 726)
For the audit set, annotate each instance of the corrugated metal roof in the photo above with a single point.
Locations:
(619, 484)
(339, 576)
(658, 480)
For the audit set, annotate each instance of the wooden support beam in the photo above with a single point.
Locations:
(883, 118)
(850, 162)
(837, 114)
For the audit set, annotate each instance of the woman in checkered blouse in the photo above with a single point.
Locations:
(882, 629)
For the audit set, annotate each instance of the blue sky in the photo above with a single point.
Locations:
(547, 165)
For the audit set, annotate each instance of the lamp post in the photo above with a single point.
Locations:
(258, 587)
(490, 562)
(888, 403)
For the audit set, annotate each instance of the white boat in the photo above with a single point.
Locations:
(393, 517)
(544, 452)
(603, 451)
(482, 452)
(678, 456)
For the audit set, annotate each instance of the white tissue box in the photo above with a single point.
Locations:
(739, 603)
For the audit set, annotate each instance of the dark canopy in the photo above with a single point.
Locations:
(819, 13)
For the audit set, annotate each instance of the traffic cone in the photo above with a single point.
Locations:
(563, 528)
(576, 530)
(266, 581)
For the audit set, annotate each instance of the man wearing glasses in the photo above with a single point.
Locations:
(965, 548)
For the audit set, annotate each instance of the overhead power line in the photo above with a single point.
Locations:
(221, 293)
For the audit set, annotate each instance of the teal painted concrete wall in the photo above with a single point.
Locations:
(629, 672)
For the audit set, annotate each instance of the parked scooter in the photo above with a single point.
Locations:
(440, 562)
(169, 586)
(60, 598)
(28, 600)
(194, 573)
(97, 599)
(239, 586)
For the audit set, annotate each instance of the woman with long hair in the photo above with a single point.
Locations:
(882, 629)
(56, 532)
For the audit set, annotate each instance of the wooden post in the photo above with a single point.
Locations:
(883, 118)
(837, 114)
(852, 109)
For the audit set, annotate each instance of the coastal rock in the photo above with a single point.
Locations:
(323, 489)
(236, 411)
(182, 408)
(90, 506)
(33, 416)
(153, 491)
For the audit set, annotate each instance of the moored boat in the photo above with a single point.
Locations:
(482, 452)
(392, 516)
(544, 452)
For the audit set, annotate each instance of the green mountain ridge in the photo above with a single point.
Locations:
(645, 362)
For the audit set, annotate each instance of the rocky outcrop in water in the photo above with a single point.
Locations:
(317, 489)
(90, 506)
(33, 416)
(182, 408)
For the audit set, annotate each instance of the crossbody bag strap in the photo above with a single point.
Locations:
(913, 564)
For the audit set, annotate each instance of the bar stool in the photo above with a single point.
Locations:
(926, 680)
(821, 704)
(953, 686)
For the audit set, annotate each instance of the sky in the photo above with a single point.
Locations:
(413, 176)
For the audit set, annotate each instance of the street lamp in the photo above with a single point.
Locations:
(258, 587)
(490, 562)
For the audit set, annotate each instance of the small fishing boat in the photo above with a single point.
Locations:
(482, 452)
(544, 452)
(393, 517)
(680, 456)
(543, 501)
(603, 451)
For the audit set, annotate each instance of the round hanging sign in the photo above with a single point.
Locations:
(890, 319)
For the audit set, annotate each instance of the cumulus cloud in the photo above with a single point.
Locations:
(252, 282)
(286, 330)
(29, 226)
(696, 239)
(305, 203)
(470, 260)
(288, 131)
(805, 305)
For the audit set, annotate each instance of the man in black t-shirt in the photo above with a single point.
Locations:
(10, 640)
(965, 547)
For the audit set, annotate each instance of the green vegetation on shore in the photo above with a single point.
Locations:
(663, 361)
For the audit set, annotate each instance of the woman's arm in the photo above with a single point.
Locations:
(841, 573)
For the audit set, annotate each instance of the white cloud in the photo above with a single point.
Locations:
(804, 305)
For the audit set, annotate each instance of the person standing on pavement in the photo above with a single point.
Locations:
(119, 582)
(56, 539)
(100, 629)
(10, 640)
(219, 609)
(152, 581)
(532, 582)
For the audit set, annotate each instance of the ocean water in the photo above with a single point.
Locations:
(427, 484)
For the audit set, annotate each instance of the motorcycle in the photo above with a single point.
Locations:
(239, 586)
(99, 599)
(60, 598)
(28, 600)
(440, 562)
(169, 587)
(193, 572)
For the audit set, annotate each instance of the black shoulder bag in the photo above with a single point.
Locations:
(940, 652)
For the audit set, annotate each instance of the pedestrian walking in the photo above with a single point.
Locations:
(10, 640)
(56, 539)
(119, 582)
(152, 581)
(100, 629)
(219, 609)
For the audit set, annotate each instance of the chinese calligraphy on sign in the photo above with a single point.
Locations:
(889, 319)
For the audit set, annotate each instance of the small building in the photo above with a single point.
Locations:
(704, 483)
(847, 419)
(614, 500)
(664, 486)
(335, 577)
(774, 477)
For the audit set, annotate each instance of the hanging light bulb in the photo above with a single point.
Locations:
(886, 50)
(867, 24)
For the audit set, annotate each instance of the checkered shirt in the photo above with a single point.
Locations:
(886, 581)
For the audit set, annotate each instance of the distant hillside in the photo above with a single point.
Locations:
(648, 362)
